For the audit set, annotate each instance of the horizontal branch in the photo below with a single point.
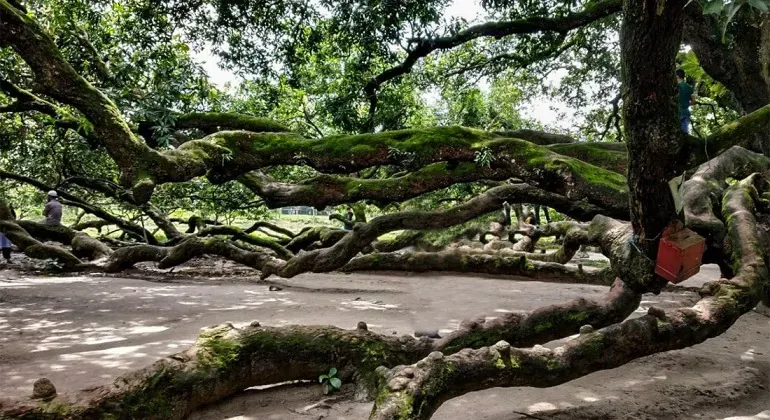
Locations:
(82, 244)
(478, 262)
(36, 249)
(239, 234)
(736, 133)
(225, 360)
(513, 158)
(363, 235)
(187, 249)
(131, 228)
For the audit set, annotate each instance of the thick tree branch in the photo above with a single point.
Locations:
(137, 231)
(739, 132)
(415, 392)
(225, 360)
(363, 235)
(513, 158)
(212, 122)
(239, 234)
(478, 262)
(187, 249)
(703, 192)
(82, 244)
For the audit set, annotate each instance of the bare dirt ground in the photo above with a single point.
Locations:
(81, 331)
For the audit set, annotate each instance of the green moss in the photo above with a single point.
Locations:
(610, 156)
(544, 326)
(221, 352)
(592, 344)
(577, 316)
(499, 363)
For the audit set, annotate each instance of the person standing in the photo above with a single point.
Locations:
(52, 210)
(685, 100)
(349, 218)
(537, 214)
(5, 243)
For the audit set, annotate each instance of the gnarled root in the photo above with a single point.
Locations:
(36, 249)
(82, 244)
(186, 250)
(478, 262)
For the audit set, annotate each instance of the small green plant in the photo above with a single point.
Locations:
(330, 382)
(401, 158)
(484, 157)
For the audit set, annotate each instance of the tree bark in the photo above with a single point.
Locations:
(650, 38)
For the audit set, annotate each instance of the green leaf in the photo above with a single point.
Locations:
(759, 4)
(713, 7)
(322, 378)
(336, 383)
(332, 371)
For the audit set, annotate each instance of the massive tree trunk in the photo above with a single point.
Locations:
(650, 39)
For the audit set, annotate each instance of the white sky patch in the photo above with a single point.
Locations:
(546, 111)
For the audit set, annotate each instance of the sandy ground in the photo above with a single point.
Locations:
(83, 331)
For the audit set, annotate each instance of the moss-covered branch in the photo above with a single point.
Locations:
(363, 235)
(702, 193)
(82, 244)
(36, 249)
(416, 391)
(225, 360)
(239, 234)
(187, 249)
(132, 229)
(211, 122)
(737, 133)
(270, 226)
(478, 262)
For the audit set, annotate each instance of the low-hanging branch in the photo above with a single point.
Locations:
(363, 235)
(189, 248)
(415, 392)
(239, 234)
(132, 229)
(478, 262)
(513, 158)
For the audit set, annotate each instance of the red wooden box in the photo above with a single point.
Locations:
(679, 255)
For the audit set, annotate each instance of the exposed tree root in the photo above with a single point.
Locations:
(82, 244)
(478, 262)
(225, 360)
(416, 391)
(187, 249)
(239, 234)
(36, 249)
